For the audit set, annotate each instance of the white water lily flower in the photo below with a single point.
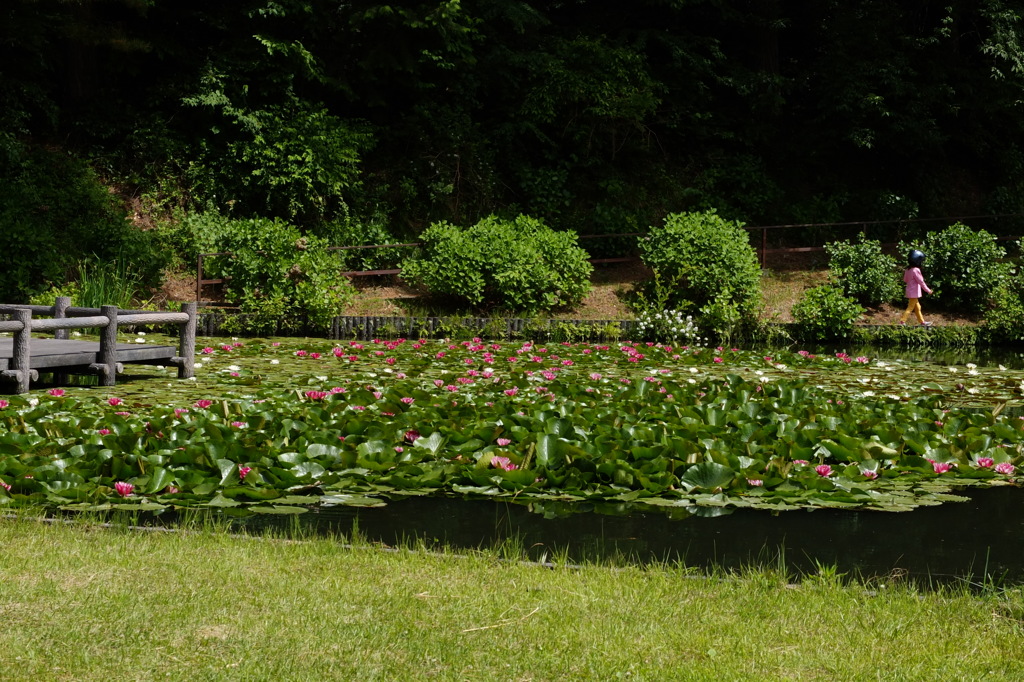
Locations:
(234, 368)
(33, 402)
(867, 394)
(141, 333)
(972, 390)
(893, 397)
(1001, 368)
(275, 362)
(972, 371)
(140, 340)
(880, 364)
(322, 378)
(952, 370)
(971, 365)
(691, 381)
(694, 370)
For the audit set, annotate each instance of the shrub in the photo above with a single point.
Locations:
(279, 279)
(865, 273)
(669, 325)
(963, 266)
(519, 264)
(707, 257)
(825, 312)
(55, 213)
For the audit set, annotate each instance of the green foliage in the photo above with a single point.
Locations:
(1004, 319)
(280, 280)
(349, 231)
(915, 336)
(293, 160)
(824, 313)
(54, 214)
(518, 264)
(722, 318)
(962, 266)
(865, 273)
(709, 258)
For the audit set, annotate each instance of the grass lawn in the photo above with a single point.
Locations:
(82, 602)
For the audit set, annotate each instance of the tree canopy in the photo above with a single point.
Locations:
(595, 115)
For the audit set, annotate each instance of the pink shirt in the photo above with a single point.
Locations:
(915, 282)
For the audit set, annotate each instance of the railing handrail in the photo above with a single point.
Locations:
(109, 319)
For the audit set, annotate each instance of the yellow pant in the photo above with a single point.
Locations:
(913, 306)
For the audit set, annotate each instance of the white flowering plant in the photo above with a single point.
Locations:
(669, 325)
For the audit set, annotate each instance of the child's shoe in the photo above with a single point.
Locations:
(926, 324)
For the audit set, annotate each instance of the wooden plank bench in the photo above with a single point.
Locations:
(22, 356)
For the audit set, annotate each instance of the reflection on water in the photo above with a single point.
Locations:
(983, 537)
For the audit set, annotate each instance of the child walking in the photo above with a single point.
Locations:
(915, 283)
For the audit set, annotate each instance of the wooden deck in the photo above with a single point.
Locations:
(67, 356)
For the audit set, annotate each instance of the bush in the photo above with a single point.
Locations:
(55, 213)
(279, 279)
(824, 313)
(962, 266)
(669, 326)
(865, 273)
(519, 264)
(708, 258)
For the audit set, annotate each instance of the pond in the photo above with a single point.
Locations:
(970, 540)
(517, 435)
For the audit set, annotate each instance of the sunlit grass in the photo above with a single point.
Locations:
(89, 603)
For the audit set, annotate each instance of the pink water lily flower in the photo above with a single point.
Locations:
(755, 482)
(823, 470)
(56, 392)
(103, 432)
(985, 462)
(3, 404)
(243, 472)
(504, 441)
(123, 489)
(407, 400)
(5, 485)
(941, 467)
(202, 404)
(870, 474)
(411, 435)
(316, 395)
(1005, 468)
(114, 402)
(238, 425)
(505, 463)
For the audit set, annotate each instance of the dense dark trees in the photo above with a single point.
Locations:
(597, 115)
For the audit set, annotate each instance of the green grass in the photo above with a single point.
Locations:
(81, 602)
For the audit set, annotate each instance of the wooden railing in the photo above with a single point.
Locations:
(107, 319)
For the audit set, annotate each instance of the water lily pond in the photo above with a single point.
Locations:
(279, 426)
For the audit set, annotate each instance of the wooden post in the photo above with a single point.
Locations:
(187, 343)
(60, 311)
(107, 359)
(22, 360)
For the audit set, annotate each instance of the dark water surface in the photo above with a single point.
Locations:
(980, 539)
